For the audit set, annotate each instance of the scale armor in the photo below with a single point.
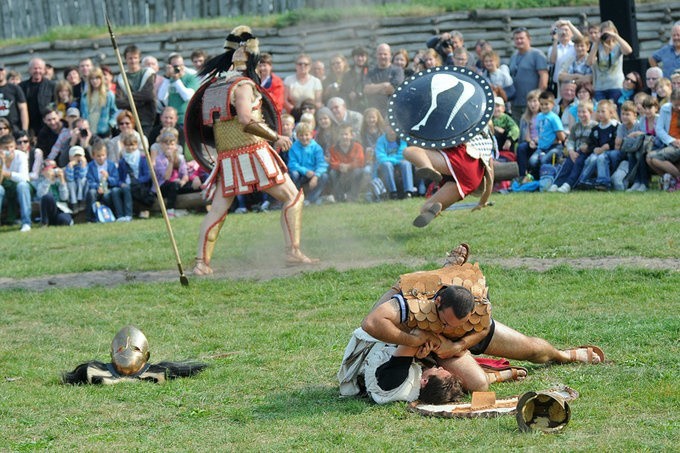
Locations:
(419, 289)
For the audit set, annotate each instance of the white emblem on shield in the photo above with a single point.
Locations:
(439, 84)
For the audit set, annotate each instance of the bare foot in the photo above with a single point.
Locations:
(295, 257)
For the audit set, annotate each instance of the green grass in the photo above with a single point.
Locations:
(521, 225)
(277, 391)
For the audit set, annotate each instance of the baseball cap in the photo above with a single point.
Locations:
(498, 100)
(76, 151)
(72, 111)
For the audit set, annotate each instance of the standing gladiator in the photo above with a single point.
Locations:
(227, 132)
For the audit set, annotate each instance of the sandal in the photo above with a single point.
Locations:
(201, 268)
(593, 354)
(428, 173)
(458, 256)
(506, 373)
(428, 215)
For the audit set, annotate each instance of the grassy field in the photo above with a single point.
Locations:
(280, 340)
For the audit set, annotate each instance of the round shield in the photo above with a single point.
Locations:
(441, 107)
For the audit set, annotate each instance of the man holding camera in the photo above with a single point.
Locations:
(562, 48)
(181, 87)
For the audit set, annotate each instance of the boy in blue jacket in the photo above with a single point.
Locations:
(306, 163)
(102, 183)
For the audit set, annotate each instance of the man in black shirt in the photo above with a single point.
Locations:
(12, 103)
(39, 92)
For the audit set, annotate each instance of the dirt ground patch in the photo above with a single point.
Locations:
(114, 278)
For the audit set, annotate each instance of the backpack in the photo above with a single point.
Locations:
(548, 174)
(376, 190)
(103, 213)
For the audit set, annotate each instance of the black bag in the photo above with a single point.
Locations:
(632, 144)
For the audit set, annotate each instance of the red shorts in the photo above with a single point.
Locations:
(467, 172)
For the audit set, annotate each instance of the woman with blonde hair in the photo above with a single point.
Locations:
(431, 59)
(98, 104)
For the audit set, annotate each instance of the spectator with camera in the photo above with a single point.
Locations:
(81, 135)
(52, 191)
(445, 44)
(181, 86)
(75, 173)
(562, 49)
(606, 59)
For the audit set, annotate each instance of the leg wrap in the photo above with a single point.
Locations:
(291, 221)
(210, 230)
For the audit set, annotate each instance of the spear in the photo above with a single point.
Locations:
(182, 278)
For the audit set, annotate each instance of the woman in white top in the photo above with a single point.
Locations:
(301, 85)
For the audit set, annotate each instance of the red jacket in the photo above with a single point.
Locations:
(275, 90)
(355, 156)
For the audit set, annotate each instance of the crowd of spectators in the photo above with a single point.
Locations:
(570, 117)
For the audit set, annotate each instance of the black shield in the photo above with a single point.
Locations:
(441, 107)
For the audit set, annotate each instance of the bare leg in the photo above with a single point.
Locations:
(291, 219)
(663, 166)
(210, 229)
(471, 376)
(429, 163)
(511, 344)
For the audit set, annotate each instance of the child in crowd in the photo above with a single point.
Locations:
(627, 129)
(171, 170)
(646, 125)
(63, 97)
(52, 191)
(372, 127)
(389, 157)
(325, 132)
(528, 132)
(638, 99)
(505, 130)
(308, 118)
(347, 175)
(577, 149)
(287, 130)
(103, 183)
(307, 165)
(135, 176)
(550, 134)
(663, 91)
(602, 141)
(14, 183)
(76, 175)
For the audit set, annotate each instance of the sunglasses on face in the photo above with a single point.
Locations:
(631, 80)
(22, 142)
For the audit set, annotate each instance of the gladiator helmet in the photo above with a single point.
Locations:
(129, 351)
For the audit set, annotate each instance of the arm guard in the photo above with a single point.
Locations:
(260, 129)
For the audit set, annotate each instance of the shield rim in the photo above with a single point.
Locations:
(474, 129)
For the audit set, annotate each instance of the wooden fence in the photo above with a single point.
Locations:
(24, 18)
(322, 40)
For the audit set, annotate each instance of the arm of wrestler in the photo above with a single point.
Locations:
(455, 348)
(383, 324)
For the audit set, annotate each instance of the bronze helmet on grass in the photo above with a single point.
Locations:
(129, 351)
